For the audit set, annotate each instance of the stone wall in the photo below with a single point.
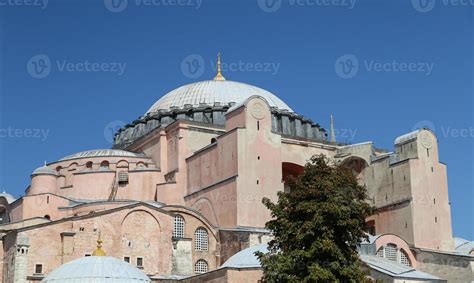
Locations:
(451, 267)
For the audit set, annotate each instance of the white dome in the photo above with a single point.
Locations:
(102, 153)
(8, 197)
(96, 269)
(246, 258)
(214, 91)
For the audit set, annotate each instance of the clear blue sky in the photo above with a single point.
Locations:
(292, 48)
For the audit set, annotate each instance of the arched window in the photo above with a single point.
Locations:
(201, 266)
(47, 217)
(404, 258)
(104, 165)
(141, 165)
(178, 231)
(391, 252)
(201, 239)
(89, 165)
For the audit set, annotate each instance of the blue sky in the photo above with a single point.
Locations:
(382, 67)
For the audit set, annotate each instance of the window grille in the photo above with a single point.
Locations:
(123, 177)
(178, 231)
(201, 266)
(404, 258)
(391, 252)
(201, 239)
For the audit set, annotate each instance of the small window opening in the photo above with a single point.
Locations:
(39, 269)
(258, 125)
(139, 262)
(126, 259)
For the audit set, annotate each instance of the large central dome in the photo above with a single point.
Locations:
(212, 92)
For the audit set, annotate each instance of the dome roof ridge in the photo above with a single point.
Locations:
(214, 91)
(102, 153)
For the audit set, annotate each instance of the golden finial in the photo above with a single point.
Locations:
(219, 76)
(99, 251)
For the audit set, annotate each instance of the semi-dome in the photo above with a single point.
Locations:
(102, 153)
(97, 269)
(214, 92)
(7, 196)
(246, 258)
(44, 170)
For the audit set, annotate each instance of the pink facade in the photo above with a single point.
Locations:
(214, 175)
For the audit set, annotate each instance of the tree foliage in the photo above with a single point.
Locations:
(317, 227)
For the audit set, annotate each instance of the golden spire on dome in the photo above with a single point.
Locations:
(99, 251)
(219, 76)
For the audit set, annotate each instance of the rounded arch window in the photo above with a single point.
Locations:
(104, 165)
(392, 253)
(59, 168)
(201, 239)
(47, 217)
(178, 229)
(89, 165)
(141, 165)
(404, 258)
(201, 266)
(213, 140)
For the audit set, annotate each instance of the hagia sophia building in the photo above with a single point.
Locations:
(179, 197)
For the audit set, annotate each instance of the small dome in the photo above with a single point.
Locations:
(96, 269)
(246, 258)
(102, 153)
(44, 170)
(8, 197)
(214, 91)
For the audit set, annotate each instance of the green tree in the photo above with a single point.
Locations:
(317, 227)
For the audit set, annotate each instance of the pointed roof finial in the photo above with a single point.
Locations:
(332, 134)
(219, 76)
(99, 251)
(45, 163)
